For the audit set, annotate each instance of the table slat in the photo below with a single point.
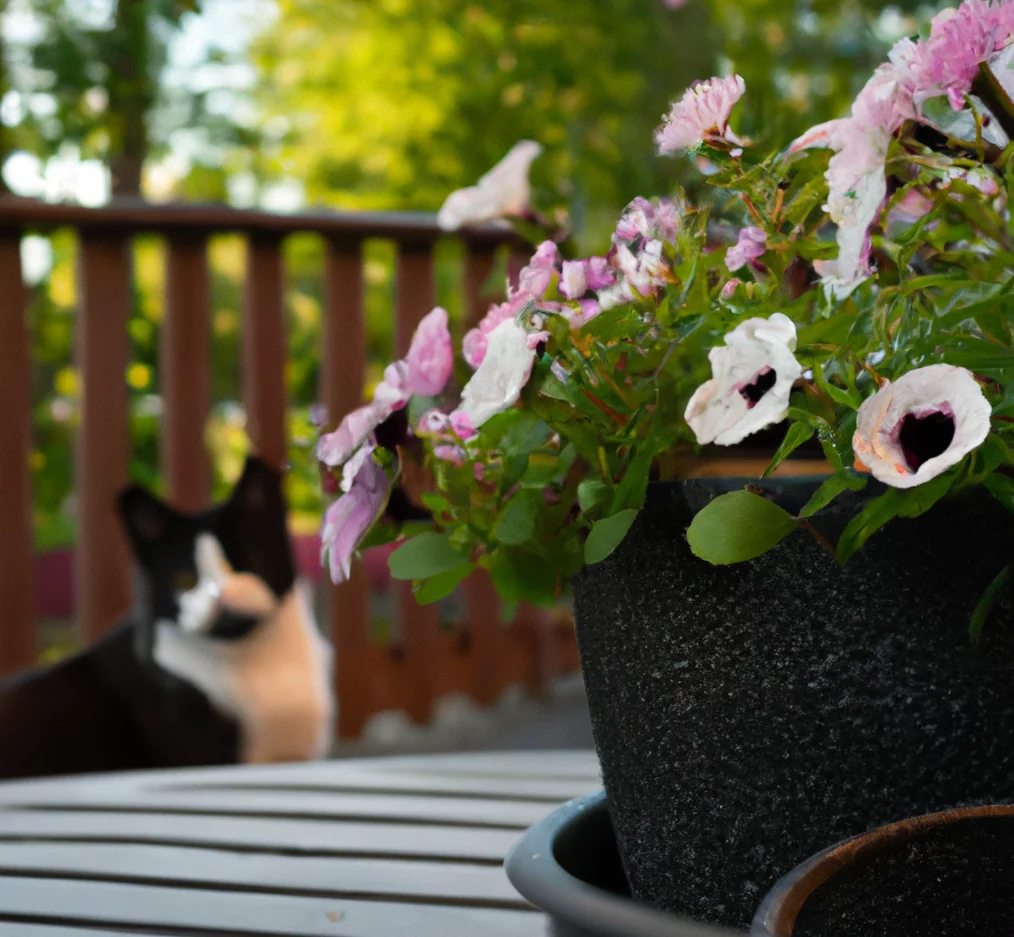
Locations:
(321, 837)
(238, 802)
(423, 881)
(240, 914)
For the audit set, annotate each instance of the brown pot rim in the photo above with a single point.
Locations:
(777, 914)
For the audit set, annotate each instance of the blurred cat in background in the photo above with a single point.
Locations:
(220, 660)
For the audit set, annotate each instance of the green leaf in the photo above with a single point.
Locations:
(521, 575)
(831, 488)
(442, 585)
(437, 503)
(845, 398)
(515, 466)
(516, 523)
(526, 435)
(425, 556)
(606, 535)
(1001, 487)
(591, 493)
(987, 602)
(797, 434)
(738, 526)
(633, 486)
(898, 502)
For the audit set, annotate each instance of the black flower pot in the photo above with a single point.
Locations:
(943, 875)
(747, 716)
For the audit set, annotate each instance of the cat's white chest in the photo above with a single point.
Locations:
(276, 682)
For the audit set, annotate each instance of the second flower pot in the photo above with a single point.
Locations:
(945, 875)
(746, 716)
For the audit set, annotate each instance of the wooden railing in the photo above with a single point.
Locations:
(481, 660)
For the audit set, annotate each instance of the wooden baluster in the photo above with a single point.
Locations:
(264, 349)
(489, 639)
(342, 373)
(103, 449)
(17, 580)
(516, 260)
(185, 372)
(414, 298)
(479, 263)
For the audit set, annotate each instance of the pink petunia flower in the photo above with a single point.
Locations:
(574, 279)
(430, 358)
(752, 378)
(424, 371)
(917, 427)
(959, 41)
(350, 518)
(729, 290)
(751, 245)
(500, 378)
(504, 190)
(702, 116)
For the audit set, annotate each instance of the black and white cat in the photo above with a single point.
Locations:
(220, 660)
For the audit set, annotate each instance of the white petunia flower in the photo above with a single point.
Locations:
(499, 380)
(929, 419)
(753, 374)
(504, 190)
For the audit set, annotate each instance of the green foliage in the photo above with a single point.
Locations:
(428, 554)
(738, 526)
(607, 534)
(985, 605)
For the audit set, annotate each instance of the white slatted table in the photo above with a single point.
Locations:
(395, 847)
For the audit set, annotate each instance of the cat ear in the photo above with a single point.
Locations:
(259, 488)
(146, 518)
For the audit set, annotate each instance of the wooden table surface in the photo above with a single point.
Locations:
(392, 847)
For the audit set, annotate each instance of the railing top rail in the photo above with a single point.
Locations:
(136, 215)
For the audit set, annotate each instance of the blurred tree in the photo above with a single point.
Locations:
(93, 78)
(407, 100)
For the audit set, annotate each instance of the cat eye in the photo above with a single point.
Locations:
(184, 580)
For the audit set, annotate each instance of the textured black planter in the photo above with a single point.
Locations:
(568, 866)
(942, 875)
(747, 716)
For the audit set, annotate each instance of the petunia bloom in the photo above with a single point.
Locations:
(751, 245)
(350, 518)
(753, 374)
(702, 116)
(430, 358)
(504, 190)
(424, 371)
(917, 427)
(574, 279)
(500, 378)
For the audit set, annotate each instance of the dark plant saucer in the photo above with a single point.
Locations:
(568, 865)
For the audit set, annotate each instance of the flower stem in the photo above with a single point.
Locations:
(818, 536)
(987, 87)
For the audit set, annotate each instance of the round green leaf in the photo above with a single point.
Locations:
(516, 523)
(424, 556)
(738, 526)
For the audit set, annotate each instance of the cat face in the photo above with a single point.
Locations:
(215, 572)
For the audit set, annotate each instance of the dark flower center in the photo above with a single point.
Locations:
(925, 437)
(762, 383)
(393, 431)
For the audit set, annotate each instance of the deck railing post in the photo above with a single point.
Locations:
(342, 374)
(414, 298)
(17, 613)
(103, 451)
(185, 372)
(264, 349)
